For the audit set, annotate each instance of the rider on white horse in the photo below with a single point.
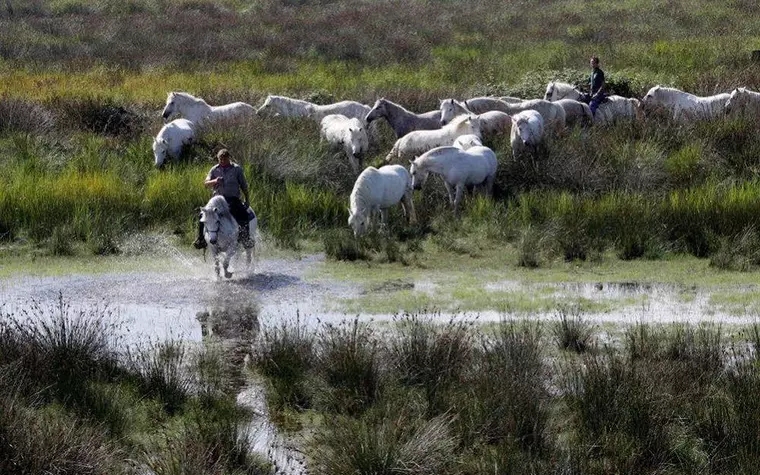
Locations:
(596, 81)
(227, 179)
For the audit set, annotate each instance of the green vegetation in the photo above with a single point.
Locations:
(460, 398)
(77, 399)
(77, 112)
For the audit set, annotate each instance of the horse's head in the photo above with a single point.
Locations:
(358, 221)
(524, 130)
(160, 151)
(549, 94)
(473, 123)
(170, 107)
(216, 218)
(651, 95)
(377, 111)
(266, 109)
(736, 100)
(448, 110)
(357, 137)
(419, 175)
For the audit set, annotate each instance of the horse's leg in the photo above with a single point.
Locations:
(354, 163)
(408, 205)
(458, 198)
(384, 218)
(450, 190)
(215, 256)
(226, 262)
(489, 186)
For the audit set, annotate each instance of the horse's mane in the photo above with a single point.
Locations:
(457, 121)
(358, 199)
(393, 104)
(218, 201)
(427, 158)
(188, 96)
(289, 99)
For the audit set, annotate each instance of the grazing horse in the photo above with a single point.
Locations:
(221, 233)
(289, 107)
(492, 123)
(198, 111)
(401, 120)
(348, 134)
(376, 190)
(459, 168)
(171, 139)
(614, 108)
(685, 107)
(420, 141)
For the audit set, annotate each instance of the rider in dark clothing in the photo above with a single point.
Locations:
(227, 179)
(596, 85)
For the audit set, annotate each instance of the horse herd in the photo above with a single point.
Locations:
(447, 141)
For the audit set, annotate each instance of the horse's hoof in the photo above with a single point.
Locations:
(228, 274)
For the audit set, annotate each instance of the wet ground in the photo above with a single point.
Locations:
(174, 301)
(167, 302)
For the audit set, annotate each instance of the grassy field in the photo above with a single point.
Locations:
(82, 84)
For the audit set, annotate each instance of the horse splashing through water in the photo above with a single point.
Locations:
(459, 168)
(221, 233)
(198, 111)
(401, 120)
(376, 190)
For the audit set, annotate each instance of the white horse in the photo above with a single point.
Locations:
(683, 106)
(171, 139)
(614, 108)
(376, 190)
(350, 134)
(221, 232)
(553, 114)
(198, 111)
(576, 112)
(492, 123)
(743, 101)
(527, 133)
(420, 141)
(459, 168)
(468, 141)
(289, 107)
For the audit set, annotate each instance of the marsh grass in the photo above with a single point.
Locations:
(571, 332)
(75, 399)
(430, 356)
(285, 355)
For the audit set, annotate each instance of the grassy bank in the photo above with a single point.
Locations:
(78, 111)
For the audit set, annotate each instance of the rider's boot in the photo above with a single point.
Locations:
(200, 241)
